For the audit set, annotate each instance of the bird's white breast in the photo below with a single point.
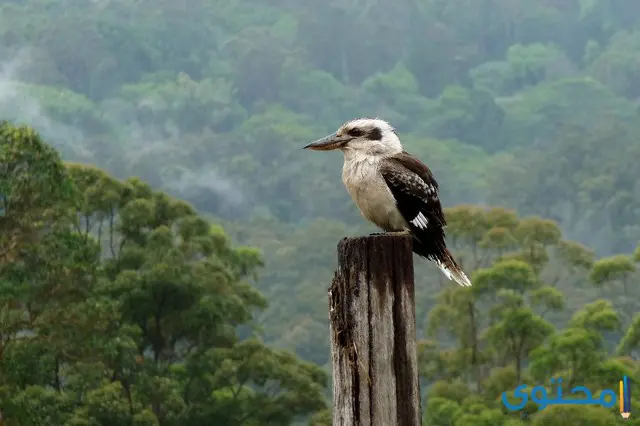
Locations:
(361, 175)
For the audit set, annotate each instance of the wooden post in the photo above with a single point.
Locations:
(373, 333)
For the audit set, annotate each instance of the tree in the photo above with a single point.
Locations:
(615, 66)
(493, 322)
(526, 104)
(578, 350)
(500, 333)
(618, 271)
(132, 304)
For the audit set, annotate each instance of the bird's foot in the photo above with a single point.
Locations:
(392, 233)
(405, 232)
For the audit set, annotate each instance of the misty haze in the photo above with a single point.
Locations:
(166, 245)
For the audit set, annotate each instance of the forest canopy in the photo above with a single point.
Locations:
(163, 141)
(121, 306)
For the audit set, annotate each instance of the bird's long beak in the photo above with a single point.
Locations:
(327, 143)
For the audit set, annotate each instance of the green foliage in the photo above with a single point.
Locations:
(572, 415)
(132, 299)
(617, 65)
(126, 311)
(173, 94)
(524, 66)
(32, 184)
(499, 333)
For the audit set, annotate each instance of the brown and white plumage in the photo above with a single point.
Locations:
(392, 189)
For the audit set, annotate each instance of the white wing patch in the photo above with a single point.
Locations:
(420, 221)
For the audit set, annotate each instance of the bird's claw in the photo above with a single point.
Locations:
(391, 233)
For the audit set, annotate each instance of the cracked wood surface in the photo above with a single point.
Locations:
(373, 333)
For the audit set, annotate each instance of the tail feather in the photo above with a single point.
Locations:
(451, 270)
(445, 261)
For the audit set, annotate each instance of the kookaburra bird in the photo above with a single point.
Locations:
(392, 189)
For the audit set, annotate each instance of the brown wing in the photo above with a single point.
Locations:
(415, 190)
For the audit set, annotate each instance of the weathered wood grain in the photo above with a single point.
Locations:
(373, 333)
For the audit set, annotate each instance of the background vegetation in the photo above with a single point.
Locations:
(122, 305)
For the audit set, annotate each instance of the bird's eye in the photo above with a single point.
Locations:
(355, 132)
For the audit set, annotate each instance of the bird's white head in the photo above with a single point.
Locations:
(367, 136)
